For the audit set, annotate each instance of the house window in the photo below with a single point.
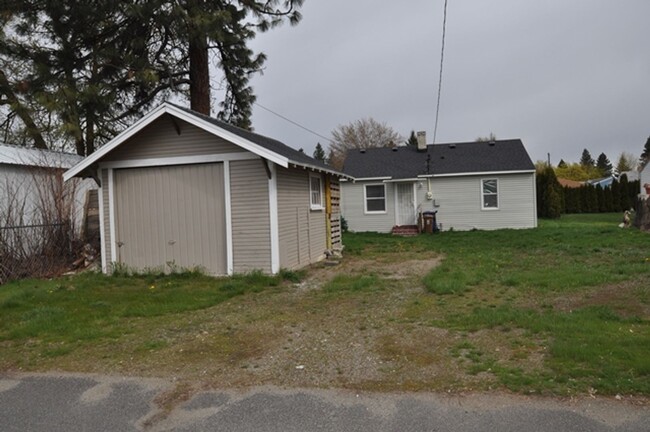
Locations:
(315, 192)
(375, 198)
(490, 194)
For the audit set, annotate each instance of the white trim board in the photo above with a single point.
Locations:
(111, 214)
(483, 173)
(178, 160)
(102, 232)
(273, 219)
(158, 112)
(230, 265)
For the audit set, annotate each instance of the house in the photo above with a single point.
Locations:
(603, 182)
(471, 185)
(571, 184)
(644, 179)
(179, 188)
(32, 190)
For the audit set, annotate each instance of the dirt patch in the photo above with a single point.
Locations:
(628, 299)
(388, 266)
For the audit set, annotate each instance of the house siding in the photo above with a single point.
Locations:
(160, 139)
(353, 208)
(249, 191)
(302, 231)
(458, 201)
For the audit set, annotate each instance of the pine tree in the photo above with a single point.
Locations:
(645, 155)
(319, 153)
(616, 196)
(413, 140)
(561, 164)
(626, 202)
(586, 160)
(96, 65)
(549, 194)
(604, 165)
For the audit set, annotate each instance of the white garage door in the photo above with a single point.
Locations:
(171, 216)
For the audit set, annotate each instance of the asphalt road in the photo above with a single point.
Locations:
(96, 403)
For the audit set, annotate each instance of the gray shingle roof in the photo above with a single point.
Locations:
(453, 158)
(16, 155)
(271, 144)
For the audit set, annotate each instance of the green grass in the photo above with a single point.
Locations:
(561, 309)
(93, 306)
(491, 283)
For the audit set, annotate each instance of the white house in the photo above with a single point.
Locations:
(31, 186)
(471, 185)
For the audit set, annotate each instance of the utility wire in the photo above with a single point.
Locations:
(293, 122)
(442, 57)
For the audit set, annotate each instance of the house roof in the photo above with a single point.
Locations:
(603, 181)
(573, 184)
(16, 155)
(263, 146)
(439, 160)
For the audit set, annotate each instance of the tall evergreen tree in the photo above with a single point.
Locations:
(604, 165)
(586, 160)
(413, 140)
(561, 164)
(319, 153)
(626, 162)
(549, 194)
(645, 155)
(93, 66)
(616, 196)
(626, 202)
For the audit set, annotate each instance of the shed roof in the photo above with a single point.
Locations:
(263, 146)
(439, 160)
(16, 155)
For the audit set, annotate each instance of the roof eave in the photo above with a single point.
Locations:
(167, 108)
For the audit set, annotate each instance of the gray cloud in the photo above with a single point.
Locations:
(561, 75)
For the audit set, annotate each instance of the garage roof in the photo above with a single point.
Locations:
(265, 147)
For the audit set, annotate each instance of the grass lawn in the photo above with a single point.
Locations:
(562, 309)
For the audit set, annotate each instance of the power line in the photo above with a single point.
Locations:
(442, 57)
(293, 122)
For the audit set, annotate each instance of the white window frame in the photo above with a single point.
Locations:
(365, 199)
(312, 204)
(483, 194)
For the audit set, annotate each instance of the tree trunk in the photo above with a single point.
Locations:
(642, 218)
(30, 126)
(199, 74)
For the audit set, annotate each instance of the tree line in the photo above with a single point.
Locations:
(553, 199)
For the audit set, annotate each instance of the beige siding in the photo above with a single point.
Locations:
(106, 234)
(171, 216)
(302, 232)
(458, 201)
(249, 191)
(160, 139)
(353, 208)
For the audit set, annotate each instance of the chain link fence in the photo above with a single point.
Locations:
(36, 250)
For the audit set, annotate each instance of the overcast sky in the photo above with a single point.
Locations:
(562, 75)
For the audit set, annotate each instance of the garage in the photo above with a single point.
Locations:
(171, 214)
